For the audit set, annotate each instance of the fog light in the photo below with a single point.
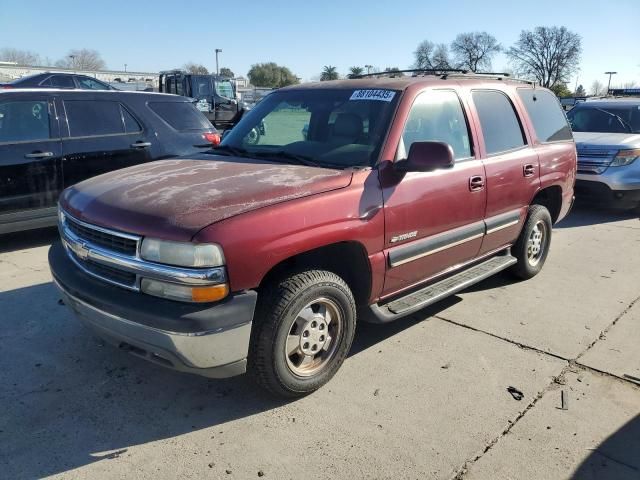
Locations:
(184, 293)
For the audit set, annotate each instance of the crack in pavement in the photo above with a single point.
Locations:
(462, 471)
(572, 365)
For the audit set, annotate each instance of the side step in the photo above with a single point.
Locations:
(435, 292)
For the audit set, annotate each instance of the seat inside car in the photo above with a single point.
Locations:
(348, 128)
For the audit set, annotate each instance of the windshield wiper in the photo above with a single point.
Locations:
(619, 118)
(291, 157)
(230, 151)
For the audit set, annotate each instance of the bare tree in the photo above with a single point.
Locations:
(441, 58)
(548, 54)
(21, 57)
(82, 59)
(630, 84)
(431, 56)
(475, 50)
(196, 68)
(597, 88)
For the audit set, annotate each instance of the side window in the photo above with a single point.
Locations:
(59, 81)
(498, 120)
(296, 117)
(88, 83)
(90, 118)
(181, 116)
(169, 84)
(131, 125)
(437, 116)
(24, 120)
(549, 121)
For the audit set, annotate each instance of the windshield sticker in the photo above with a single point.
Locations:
(380, 95)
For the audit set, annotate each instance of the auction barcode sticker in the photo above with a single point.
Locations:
(380, 95)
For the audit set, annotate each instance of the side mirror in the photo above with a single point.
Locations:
(426, 157)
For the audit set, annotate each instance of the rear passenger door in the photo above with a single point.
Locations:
(100, 136)
(511, 167)
(30, 157)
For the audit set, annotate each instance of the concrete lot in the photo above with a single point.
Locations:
(423, 398)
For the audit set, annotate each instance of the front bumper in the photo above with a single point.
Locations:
(601, 193)
(209, 340)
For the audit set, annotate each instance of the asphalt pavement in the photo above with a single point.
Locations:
(507, 380)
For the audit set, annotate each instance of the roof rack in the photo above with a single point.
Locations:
(445, 73)
(415, 72)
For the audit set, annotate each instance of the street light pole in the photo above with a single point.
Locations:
(73, 62)
(125, 67)
(610, 75)
(218, 50)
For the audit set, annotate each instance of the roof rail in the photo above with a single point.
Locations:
(415, 72)
(445, 73)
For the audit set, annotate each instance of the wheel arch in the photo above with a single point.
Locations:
(549, 197)
(348, 260)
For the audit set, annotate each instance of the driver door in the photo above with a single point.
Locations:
(433, 220)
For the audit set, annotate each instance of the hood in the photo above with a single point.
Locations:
(614, 141)
(174, 199)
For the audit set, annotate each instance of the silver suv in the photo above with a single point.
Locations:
(607, 135)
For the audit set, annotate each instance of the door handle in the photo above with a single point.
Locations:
(528, 170)
(39, 155)
(476, 183)
(141, 144)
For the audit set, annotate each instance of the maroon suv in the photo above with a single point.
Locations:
(365, 200)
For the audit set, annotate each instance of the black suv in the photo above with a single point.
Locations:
(50, 139)
(58, 80)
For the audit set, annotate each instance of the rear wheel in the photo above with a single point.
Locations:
(532, 247)
(304, 331)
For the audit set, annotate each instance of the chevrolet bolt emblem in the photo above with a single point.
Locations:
(81, 250)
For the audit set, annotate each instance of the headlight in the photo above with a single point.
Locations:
(184, 293)
(182, 254)
(625, 157)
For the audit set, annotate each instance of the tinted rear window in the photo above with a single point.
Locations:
(498, 120)
(92, 117)
(181, 115)
(547, 116)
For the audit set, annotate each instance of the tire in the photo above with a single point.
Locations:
(292, 326)
(532, 247)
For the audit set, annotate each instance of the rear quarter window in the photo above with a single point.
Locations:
(181, 116)
(545, 112)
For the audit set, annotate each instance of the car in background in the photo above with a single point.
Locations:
(607, 135)
(215, 96)
(57, 80)
(51, 139)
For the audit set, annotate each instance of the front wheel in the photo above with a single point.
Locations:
(532, 247)
(304, 331)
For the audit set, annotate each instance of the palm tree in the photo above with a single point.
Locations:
(329, 73)
(355, 72)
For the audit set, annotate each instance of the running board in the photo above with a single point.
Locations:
(417, 300)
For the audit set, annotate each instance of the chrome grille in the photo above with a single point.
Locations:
(110, 241)
(595, 161)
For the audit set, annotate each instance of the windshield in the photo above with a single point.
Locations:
(224, 88)
(329, 128)
(200, 86)
(605, 118)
